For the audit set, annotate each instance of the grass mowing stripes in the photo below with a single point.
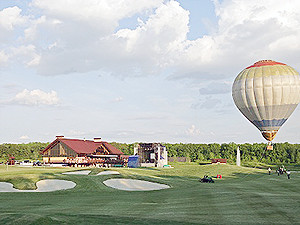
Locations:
(244, 196)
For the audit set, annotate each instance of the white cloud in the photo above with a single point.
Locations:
(11, 17)
(193, 131)
(12, 23)
(217, 87)
(118, 99)
(208, 103)
(96, 10)
(35, 98)
(157, 40)
(26, 54)
(79, 46)
(24, 137)
(84, 36)
(30, 33)
(247, 31)
(3, 57)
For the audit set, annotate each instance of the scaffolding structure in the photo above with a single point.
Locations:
(151, 154)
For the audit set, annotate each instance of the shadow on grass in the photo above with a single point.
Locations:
(204, 163)
(148, 168)
(182, 180)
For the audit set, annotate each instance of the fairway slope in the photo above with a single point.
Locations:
(243, 196)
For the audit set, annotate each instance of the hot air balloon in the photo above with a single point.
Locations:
(267, 93)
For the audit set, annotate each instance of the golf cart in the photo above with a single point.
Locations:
(206, 179)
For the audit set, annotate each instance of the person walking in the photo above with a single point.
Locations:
(288, 173)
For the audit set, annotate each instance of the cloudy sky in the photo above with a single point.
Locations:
(131, 71)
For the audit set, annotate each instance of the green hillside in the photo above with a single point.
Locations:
(243, 196)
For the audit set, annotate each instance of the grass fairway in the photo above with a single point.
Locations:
(244, 196)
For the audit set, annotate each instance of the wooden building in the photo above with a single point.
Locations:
(75, 151)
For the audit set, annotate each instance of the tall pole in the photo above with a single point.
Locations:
(238, 156)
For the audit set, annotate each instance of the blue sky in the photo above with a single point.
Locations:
(137, 71)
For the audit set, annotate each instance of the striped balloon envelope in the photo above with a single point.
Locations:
(267, 93)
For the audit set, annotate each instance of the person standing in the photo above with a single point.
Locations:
(269, 170)
(288, 173)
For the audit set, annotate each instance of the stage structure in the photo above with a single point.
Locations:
(151, 154)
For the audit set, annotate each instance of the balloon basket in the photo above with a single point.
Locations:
(270, 146)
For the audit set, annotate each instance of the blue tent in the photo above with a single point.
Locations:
(133, 161)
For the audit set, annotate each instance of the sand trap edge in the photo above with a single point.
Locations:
(78, 172)
(108, 172)
(134, 185)
(47, 185)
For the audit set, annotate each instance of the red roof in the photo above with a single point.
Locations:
(265, 63)
(84, 146)
(218, 160)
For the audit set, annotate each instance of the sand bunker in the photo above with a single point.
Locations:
(134, 185)
(42, 186)
(80, 172)
(54, 185)
(107, 172)
(7, 187)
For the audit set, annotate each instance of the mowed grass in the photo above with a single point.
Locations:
(25, 177)
(243, 196)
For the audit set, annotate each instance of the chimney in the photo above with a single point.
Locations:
(97, 140)
(60, 136)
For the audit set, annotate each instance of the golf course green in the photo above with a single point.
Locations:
(243, 196)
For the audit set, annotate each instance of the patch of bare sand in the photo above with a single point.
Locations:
(134, 185)
(108, 172)
(42, 186)
(79, 172)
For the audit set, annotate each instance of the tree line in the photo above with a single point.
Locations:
(22, 151)
(256, 152)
